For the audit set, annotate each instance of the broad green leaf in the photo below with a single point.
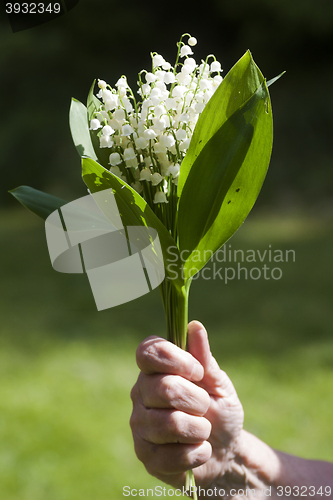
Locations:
(225, 180)
(93, 105)
(78, 123)
(134, 211)
(242, 81)
(41, 204)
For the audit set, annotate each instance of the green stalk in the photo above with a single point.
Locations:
(175, 302)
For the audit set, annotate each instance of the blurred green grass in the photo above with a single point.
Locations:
(67, 370)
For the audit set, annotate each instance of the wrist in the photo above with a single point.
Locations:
(259, 459)
(247, 464)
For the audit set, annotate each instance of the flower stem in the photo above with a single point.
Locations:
(175, 302)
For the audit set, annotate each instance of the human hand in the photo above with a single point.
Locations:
(186, 413)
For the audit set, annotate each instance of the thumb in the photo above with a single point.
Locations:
(198, 346)
(225, 412)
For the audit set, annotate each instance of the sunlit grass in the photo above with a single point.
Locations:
(67, 370)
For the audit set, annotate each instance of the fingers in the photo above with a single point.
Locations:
(169, 426)
(184, 405)
(169, 430)
(164, 460)
(157, 355)
(172, 391)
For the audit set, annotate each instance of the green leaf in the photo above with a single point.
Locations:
(134, 211)
(79, 126)
(93, 105)
(41, 204)
(242, 81)
(225, 180)
(273, 80)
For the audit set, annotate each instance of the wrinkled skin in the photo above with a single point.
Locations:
(186, 413)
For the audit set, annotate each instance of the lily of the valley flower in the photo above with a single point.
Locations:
(148, 139)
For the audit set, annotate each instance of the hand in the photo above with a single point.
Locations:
(186, 413)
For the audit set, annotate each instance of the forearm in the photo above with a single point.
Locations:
(286, 475)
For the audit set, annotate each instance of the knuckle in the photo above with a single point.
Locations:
(134, 421)
(202, 455)
(141, 451)
(134, 393)
(147, 351)
(175, 423)
(170, 388)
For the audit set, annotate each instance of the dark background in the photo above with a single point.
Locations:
(43, 67)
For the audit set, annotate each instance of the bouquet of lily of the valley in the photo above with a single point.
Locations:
(185, 155)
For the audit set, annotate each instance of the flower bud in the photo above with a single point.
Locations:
(101, 84)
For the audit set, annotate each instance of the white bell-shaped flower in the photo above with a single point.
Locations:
(217, 79)
(178, 91)
(181, 134)
(129, 154)
(169, 78)
(121, 82)
(159, 148)
(116, 171)
(184, 145)
(173, 170)
(190, 63)
(215, 66)
(106, 94)
(114, 159)
(141, 142)
(149, 134)
(132, 163)
(105, 141)
(145, 174)
(160, 197)
(160, 123)
(166, 66)
(167, 140)
(107, 130)
(150, 77)
(95, 124)
(156, 178)
(111, 103)
(119, 114)
(127, 130)
(158, 60)
(185, 51)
